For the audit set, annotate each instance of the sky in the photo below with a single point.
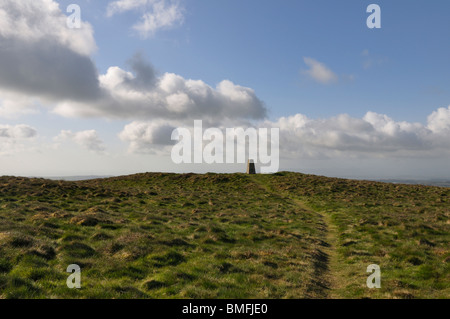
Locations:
(103, 98)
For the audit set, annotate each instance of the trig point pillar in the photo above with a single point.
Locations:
(251, 167)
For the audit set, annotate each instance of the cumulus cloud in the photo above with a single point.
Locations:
(342, 136)
(42, 59)
(41, 56)
(374, 135)
(319, 72)
(12, 104)
(20, 131)
(143, 95)
(147, 137)
(439, 121)
(88, 139)
(32, 21)
(154, 136)
(158, 14)
(14, 139)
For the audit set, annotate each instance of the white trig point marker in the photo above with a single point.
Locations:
(251, 167)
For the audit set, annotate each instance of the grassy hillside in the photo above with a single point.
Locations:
(286, 235)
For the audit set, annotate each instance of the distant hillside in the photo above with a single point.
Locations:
(431, 182)
(286, 235)
(76, 178)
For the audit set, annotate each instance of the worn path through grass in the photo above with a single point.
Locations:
(158, 235)
(284, 235)
(324, 282)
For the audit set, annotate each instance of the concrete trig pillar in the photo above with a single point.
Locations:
(251, 167)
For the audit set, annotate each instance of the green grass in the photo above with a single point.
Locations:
(285, 235)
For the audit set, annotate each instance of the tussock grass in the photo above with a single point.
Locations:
(285, 235)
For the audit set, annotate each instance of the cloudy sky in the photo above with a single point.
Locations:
(104, 98)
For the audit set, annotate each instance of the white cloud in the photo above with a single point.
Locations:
(154, 136)
(439, 121)
(20, 131)
(158, 14)
(342, 136)
(319, 72)
(12, 104)
(38, 20)
(147, 137)
(143, 95)
(374, 135)
(125, 5)
(160, 17)
(88, 139)
(15, 139)
(43, 61)
(40, 56)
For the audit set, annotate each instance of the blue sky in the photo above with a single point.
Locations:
(400, 70)
(261, 44)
